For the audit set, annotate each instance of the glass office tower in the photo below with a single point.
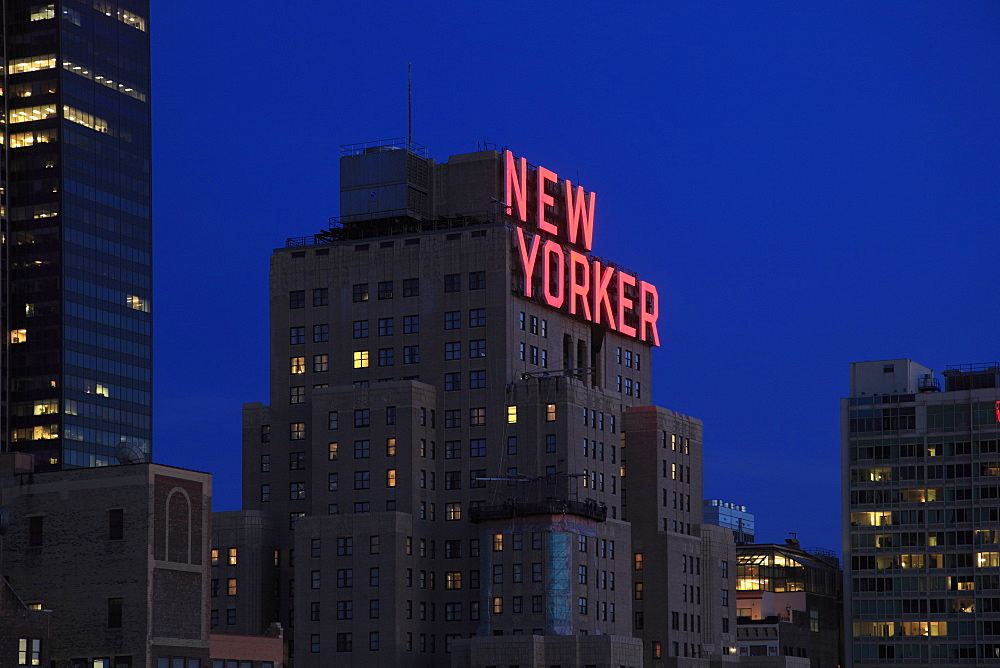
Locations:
(77, 264)
(921, 479)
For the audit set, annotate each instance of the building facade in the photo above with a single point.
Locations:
(731, 516)
(77, 271)
(118, 554)
(921, 478)
(789, 605)
(444, 443)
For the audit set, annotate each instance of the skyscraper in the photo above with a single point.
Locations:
(445, 447)
(921, 479)
(77, 264)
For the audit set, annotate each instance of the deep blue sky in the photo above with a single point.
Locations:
(808, 184)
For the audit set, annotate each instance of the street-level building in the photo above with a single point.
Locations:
(119, 555)
(788, 605)
(921, 479)
(75, 299)
(444, 446)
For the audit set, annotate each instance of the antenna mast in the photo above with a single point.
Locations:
(409, 105)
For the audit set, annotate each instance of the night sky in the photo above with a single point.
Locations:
(807, 184)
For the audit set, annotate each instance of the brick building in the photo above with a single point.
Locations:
(118, 554)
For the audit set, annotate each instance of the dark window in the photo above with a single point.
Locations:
(114, 613)
(477, 380)
(345, 642)
(321, 296)
(385, 327)
(116, 524)
(411, 324)
(477, 280)
(360, 292)
(297, 299)
(362, 417)
(452, 282)
(477, 348)
(453, 320)
(390, 415)
(35, 530)
(411, 287)
(477, 317)
(321, 333)
(360, 329)
(384, 290)
(411, 354)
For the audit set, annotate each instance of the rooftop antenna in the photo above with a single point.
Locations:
(409, 105)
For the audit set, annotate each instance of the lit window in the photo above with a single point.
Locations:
(498, 542)
(477, 417)
(390, 478)
(297, 431)
(297, 365)
(638, 561)
(18, 336)
(232, 556)
(231, 587)
(550, 412)
(360, 292)
(512, 414)
(360, 359)
(390, 447)
(453, 511)
(215, 556)
(333, 452)
(497, 605)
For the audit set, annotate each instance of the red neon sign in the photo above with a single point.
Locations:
(572, 280)
(997, 407)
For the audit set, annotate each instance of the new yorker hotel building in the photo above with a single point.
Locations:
(444, 444)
